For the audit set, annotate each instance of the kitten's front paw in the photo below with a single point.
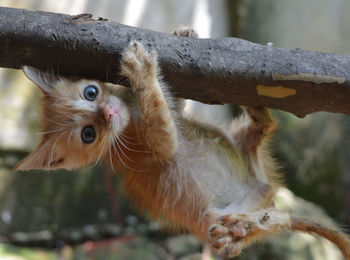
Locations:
(138, 64)
(228, 236)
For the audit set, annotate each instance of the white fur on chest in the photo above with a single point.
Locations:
(220, 173)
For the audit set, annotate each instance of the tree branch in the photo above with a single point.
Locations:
(225, 70)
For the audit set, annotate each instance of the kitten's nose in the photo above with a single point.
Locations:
(109, 112)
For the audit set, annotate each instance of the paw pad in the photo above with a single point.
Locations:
(227, 236)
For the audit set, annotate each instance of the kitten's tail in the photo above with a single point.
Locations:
(337, 237)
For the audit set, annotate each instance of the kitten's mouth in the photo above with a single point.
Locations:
(111, 116)
(109, 112)
(114, 115)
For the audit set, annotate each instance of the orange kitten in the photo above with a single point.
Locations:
(217, 184)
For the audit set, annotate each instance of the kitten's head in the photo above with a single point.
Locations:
(80, 119)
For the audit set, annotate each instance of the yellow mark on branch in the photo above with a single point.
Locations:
(275, 91)
(316, 78)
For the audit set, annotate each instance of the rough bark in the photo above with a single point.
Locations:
(228, 70)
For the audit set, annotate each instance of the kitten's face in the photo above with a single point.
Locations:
(80, 120)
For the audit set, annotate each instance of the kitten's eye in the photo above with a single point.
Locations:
(88, 134)
(90, 92)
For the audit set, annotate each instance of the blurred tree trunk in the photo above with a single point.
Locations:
(233, 10)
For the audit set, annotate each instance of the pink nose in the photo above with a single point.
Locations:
(109, 112)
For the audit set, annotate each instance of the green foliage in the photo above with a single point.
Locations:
(23, 253)
(309, 151)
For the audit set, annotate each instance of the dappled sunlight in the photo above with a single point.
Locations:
(133, 12)
(17, 116)
(202, 19)
(317, 247)
(65, 6)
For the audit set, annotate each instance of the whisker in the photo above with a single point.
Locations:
(55, 122)
(125, 139)
(98, 159)
(100, 155)
(128, 131)
(116, 152)
(68, 141)
(122, 161)
(116, 141)
(126, 166)
(52, 131)
(53, 147)
(110, 157)
(113, 145)
(121, 139)
(130, 149)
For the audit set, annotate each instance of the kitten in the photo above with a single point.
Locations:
(217, 184)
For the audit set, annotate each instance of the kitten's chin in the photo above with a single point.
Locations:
(117, 113)
(119, 121)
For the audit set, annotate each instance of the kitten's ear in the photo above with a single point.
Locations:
(46, 81)
(43, 157)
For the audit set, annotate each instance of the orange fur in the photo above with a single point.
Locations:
(217, 184)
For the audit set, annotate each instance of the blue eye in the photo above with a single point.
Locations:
(88, 134)
(90, 92)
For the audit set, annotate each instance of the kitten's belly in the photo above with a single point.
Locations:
(222, 174)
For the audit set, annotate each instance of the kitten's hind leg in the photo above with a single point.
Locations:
(233, 232)
(159, 130)
(250, 129)
(249, 132)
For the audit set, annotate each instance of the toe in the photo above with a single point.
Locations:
(217, 230)
(238, 230)
(221, 243)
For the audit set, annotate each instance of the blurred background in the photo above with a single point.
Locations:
(83, 214)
